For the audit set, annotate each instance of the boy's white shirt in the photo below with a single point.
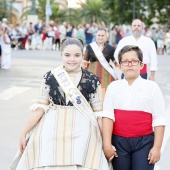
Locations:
(142, 95)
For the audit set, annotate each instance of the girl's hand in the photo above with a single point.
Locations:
(114, 154)
(23, 143)
(110, 152)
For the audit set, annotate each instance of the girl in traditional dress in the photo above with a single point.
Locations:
(65, 118)
(97, 57)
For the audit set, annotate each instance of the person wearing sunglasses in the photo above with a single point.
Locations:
(65, 119)
(133, 116)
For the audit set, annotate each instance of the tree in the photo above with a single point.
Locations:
(146, 10)
(159, 9)
(5, 8)
(2, 10)
(57, 13)
(121, 11)
(75, 16)
(93, 11)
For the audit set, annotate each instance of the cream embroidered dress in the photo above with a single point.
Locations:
(64, 138)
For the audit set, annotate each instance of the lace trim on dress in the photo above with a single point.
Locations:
(87, 85)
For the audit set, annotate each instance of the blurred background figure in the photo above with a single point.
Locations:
(160, 42)
(148, 33)
(167, 42)
(88, 34)
(81, 34)
(1, 32)
(56, 38)
(93, 30)
(63, 31)
(6, 48)
(112, 37)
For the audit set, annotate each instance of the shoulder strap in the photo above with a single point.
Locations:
(73, 93)
(102, 59)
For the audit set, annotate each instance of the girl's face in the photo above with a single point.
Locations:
(101, 37)
(72, 57)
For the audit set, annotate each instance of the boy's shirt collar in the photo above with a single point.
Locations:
(136, 83)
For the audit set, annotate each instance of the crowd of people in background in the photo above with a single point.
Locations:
(49, 36)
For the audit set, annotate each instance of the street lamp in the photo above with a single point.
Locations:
(48, 11)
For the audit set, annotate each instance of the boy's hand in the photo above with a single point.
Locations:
(154, 155)
(110, 152)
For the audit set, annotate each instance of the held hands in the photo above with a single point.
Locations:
(23, 143)
(110, 152)
(154, 155)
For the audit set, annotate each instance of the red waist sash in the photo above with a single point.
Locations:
(130, 123)
(144, 69)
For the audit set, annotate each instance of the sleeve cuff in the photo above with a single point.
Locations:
(98, 114)
(109, 115)
(36, 106)
(159, 122)
(153, 68)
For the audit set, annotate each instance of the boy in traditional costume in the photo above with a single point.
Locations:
(133, 116)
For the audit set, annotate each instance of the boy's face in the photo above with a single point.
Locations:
(132, 70)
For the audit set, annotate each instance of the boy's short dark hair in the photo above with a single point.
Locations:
(130, 48)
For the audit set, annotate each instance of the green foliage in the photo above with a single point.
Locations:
(2, 10)
(159, 9)
(58, 14)
(121, 11)
(75, 16)
(5, 8)
(146, 10)
(93, 11)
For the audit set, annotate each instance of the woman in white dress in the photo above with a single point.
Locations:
(65, 136)
(6, 49)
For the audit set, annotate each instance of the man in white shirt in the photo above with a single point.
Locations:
(145, 44)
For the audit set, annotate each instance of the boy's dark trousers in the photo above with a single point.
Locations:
(132, 152)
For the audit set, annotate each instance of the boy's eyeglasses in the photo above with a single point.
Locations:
(133, 63)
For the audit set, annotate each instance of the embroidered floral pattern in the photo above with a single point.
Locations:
(87, 86)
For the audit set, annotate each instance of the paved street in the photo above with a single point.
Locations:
(19, 88)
